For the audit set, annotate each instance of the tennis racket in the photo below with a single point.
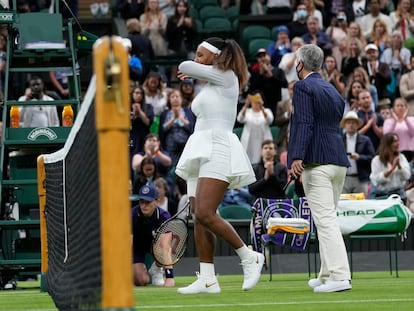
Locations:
(170, 240)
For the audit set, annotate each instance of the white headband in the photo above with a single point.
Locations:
(210, 47)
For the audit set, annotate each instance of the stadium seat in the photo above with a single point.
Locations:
(238, 131)
(198, 4)
(275, 131)
(256, 44)
(216, 26)
(211, 11)
(254, 32)
(235, 212)
(232, 12)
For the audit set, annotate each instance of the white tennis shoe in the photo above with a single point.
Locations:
(331, 286)
(203, 285)
(252, 268)
(313, 283)
(157, 275)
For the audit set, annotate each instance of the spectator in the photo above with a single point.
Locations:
(356, 9)
(312, 12)
(154, 25)
(360, 153)
(147, 174)
(37, 116)
(269, 81)
(147, 217)
(397, 57)
(334, 8)
(384, 108)
(288, 60)
(351, 100)
(176, 126)
(360, 74)
(142, 115)
(152, 149)
(165, 199)
(407, 87)
(338, 28)
(372, 121)
(379, 73)
(353, 58)
(390, 170)
(380, 36)
(271, 175)
(155, 96)
(134, 63)
(297, 27)
(329, 72)
(402, 125)
(282, 119)
(280, 47)
(141, 45)
(402, 19)
(187, 92)
(131, 8)
(317, 37)
(354, 31)
(367, 21)
(256, 119)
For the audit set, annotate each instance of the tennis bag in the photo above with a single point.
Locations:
(265, 209)
(373, 216)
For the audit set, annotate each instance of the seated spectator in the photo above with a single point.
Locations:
(271, 175)
(352, 59)
(380, 36)
(407, 87)
(297, 27)
(384, 108)
(153, 150)
(351, 98)
(187, 91)
(37, 116)
(390, 170)
(142, 116)
(312, 12)
(176, 125)
(316, 36)
(281, 46)
(288, 60)
(374, 13)
(372, 121)
(256, 120)
(402, 19)
(146, 175)
(402, 125)
(155, 96)
(165, 199)
(360, 74)
(330, 73)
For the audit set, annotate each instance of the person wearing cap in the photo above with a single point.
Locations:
(379, 73)
(214, 160)
(259, 55)
(147, 217)
(360, 153)
(280, 47)
(316, 154)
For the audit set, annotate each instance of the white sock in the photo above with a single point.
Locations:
(207, 269)
(244, 252)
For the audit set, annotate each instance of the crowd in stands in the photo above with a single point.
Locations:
(368, 46)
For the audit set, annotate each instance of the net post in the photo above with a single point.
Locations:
(112, 124)
(41, 190)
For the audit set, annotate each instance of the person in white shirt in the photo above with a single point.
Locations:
(37, 115)
(367, 21)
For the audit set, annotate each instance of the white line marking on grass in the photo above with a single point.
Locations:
(275, 303)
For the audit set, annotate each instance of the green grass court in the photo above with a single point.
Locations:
(371, 291)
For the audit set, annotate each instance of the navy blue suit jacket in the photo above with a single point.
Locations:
(315, 137)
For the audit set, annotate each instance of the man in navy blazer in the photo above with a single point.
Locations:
(316, 151)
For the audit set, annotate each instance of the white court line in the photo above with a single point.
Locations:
(275, 303)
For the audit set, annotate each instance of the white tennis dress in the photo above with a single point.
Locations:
(213, 150)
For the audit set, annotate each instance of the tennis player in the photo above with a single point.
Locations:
(146, 219)
(214, 160)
